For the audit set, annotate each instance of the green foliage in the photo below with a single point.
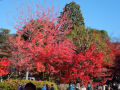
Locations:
(72, 12)
(99, 38)
(79, 38)
(102, 33)
(78, 35)
(13, 84)
(75, 13)
(82, 38)
(4, 35)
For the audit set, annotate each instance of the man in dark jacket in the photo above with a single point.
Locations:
(52, 87)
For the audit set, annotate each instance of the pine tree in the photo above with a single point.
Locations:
(73, 16)
(72, 12)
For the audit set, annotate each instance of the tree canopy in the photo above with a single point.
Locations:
(62, 47)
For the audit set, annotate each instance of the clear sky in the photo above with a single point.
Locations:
(99, 14)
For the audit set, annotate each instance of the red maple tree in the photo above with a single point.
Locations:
(42, 45)
(4, 65)
(115, 56)
(86, 67)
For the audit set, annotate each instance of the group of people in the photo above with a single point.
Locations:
(46, 87)
(31, 86)
(76, 86)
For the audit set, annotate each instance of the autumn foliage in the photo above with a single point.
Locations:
(41, 45)
(4, 65)
(115, 53)
(62, 47)
(87, 66)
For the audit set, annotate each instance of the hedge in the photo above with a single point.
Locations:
(13, 84)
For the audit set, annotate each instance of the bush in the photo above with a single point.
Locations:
(13, 84)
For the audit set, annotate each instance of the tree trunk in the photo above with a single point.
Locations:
(27, 74)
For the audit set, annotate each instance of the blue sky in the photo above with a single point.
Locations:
(99, 14)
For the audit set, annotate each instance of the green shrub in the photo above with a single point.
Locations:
(13, 84)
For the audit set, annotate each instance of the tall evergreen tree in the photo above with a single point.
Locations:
(73, 16)
(72, 12)
(79, 38)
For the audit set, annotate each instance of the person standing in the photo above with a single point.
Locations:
(20, 87)
(52, 87)
(118, 86)
(77, 86)
(71, 87)
(100, 87)
(47, 87)
(44, 87)
(88, 86)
